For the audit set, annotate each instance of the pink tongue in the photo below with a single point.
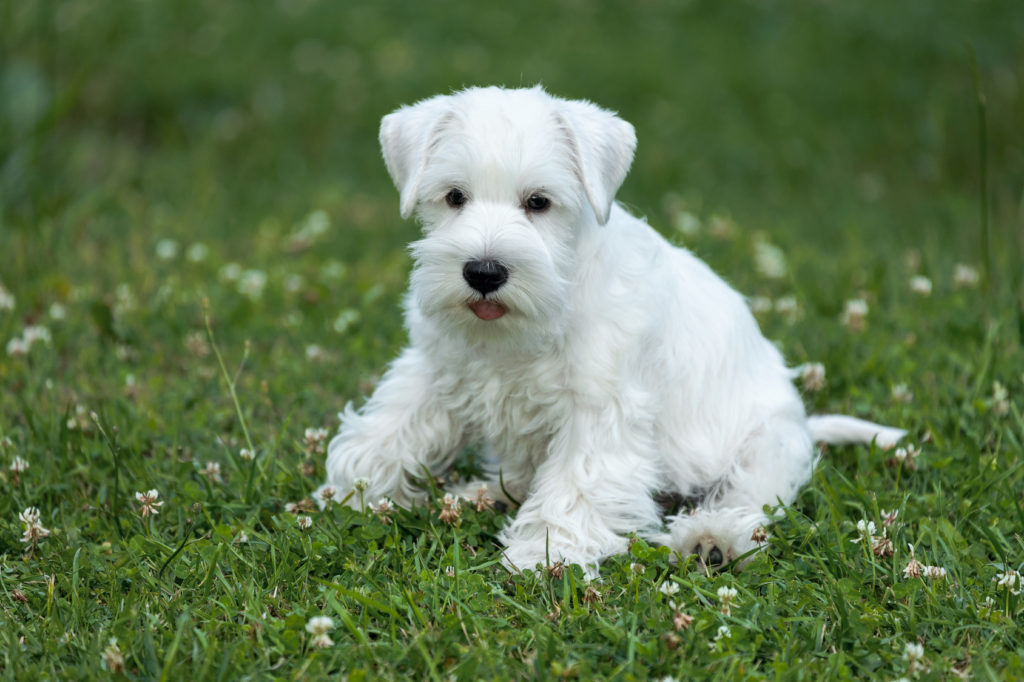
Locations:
(487, 310)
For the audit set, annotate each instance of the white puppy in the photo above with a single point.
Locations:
(594, 363)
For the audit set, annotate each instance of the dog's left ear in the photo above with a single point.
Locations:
(405, 138)
(604, 146)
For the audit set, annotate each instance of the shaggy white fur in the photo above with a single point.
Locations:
(594, 363)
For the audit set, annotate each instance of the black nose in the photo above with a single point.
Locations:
(484, 275)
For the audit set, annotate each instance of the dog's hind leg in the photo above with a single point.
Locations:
(771, 466)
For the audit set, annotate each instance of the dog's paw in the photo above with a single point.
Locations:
(716, 537)
(550, 552)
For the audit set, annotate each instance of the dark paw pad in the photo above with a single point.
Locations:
(711, 559)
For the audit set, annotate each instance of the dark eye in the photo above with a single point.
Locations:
(455, 198)
(537, 203)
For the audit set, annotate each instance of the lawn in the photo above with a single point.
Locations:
(202, 261)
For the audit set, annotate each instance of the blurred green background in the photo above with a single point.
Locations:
(848, 132)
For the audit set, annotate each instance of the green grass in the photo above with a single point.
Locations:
(848, 134)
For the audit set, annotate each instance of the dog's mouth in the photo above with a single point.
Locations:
(487, 310)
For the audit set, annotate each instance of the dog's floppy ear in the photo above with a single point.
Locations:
(405, 139)
(604, 146)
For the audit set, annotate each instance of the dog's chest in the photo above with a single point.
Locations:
(513, 404)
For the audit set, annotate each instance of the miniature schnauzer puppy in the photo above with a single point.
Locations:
(594, 365)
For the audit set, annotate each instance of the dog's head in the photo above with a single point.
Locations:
(503, 181)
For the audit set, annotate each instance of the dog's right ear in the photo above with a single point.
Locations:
(406, 136)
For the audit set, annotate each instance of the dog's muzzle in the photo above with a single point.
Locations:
(485, 276)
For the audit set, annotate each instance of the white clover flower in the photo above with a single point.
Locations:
(760, 304)
(934, 572)
(769, 260)
(57, 311)
(722, 227)
(312, 228)
(865, 530)
(965, 276)
(921, 285)
(319, 626)
(361, 483)
(7, 300)
(345, 319)
(812, 375)
(230, 272)
(723, 633)
(901, 393)
(247, 454)
(196, 343)
(251, 284)
(482, 499)
(212, 471)
(166, 249)
(383, 509)
(1010, 579)
(889, 517)
(327, 493)
(293, 283)
(315, 440)
(17, 346)
(36, 333)
(882, 546)
(149, 503)
(669, 588)
(304, 522)
(687, 223)
(197, 252)
(913, 654)
(30, 516)
(788, 307)
(124, 299)
(907, 454)
(855, 312)
(451, 509)
(315, 353)
(19, 465)
(113, 659)
(726, 595)
(333, 270)
(759, 535)
(34, 531)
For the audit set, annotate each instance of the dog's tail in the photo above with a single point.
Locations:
(838, 429)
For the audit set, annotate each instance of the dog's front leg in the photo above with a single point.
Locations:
(401, 429)
(594, 487)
